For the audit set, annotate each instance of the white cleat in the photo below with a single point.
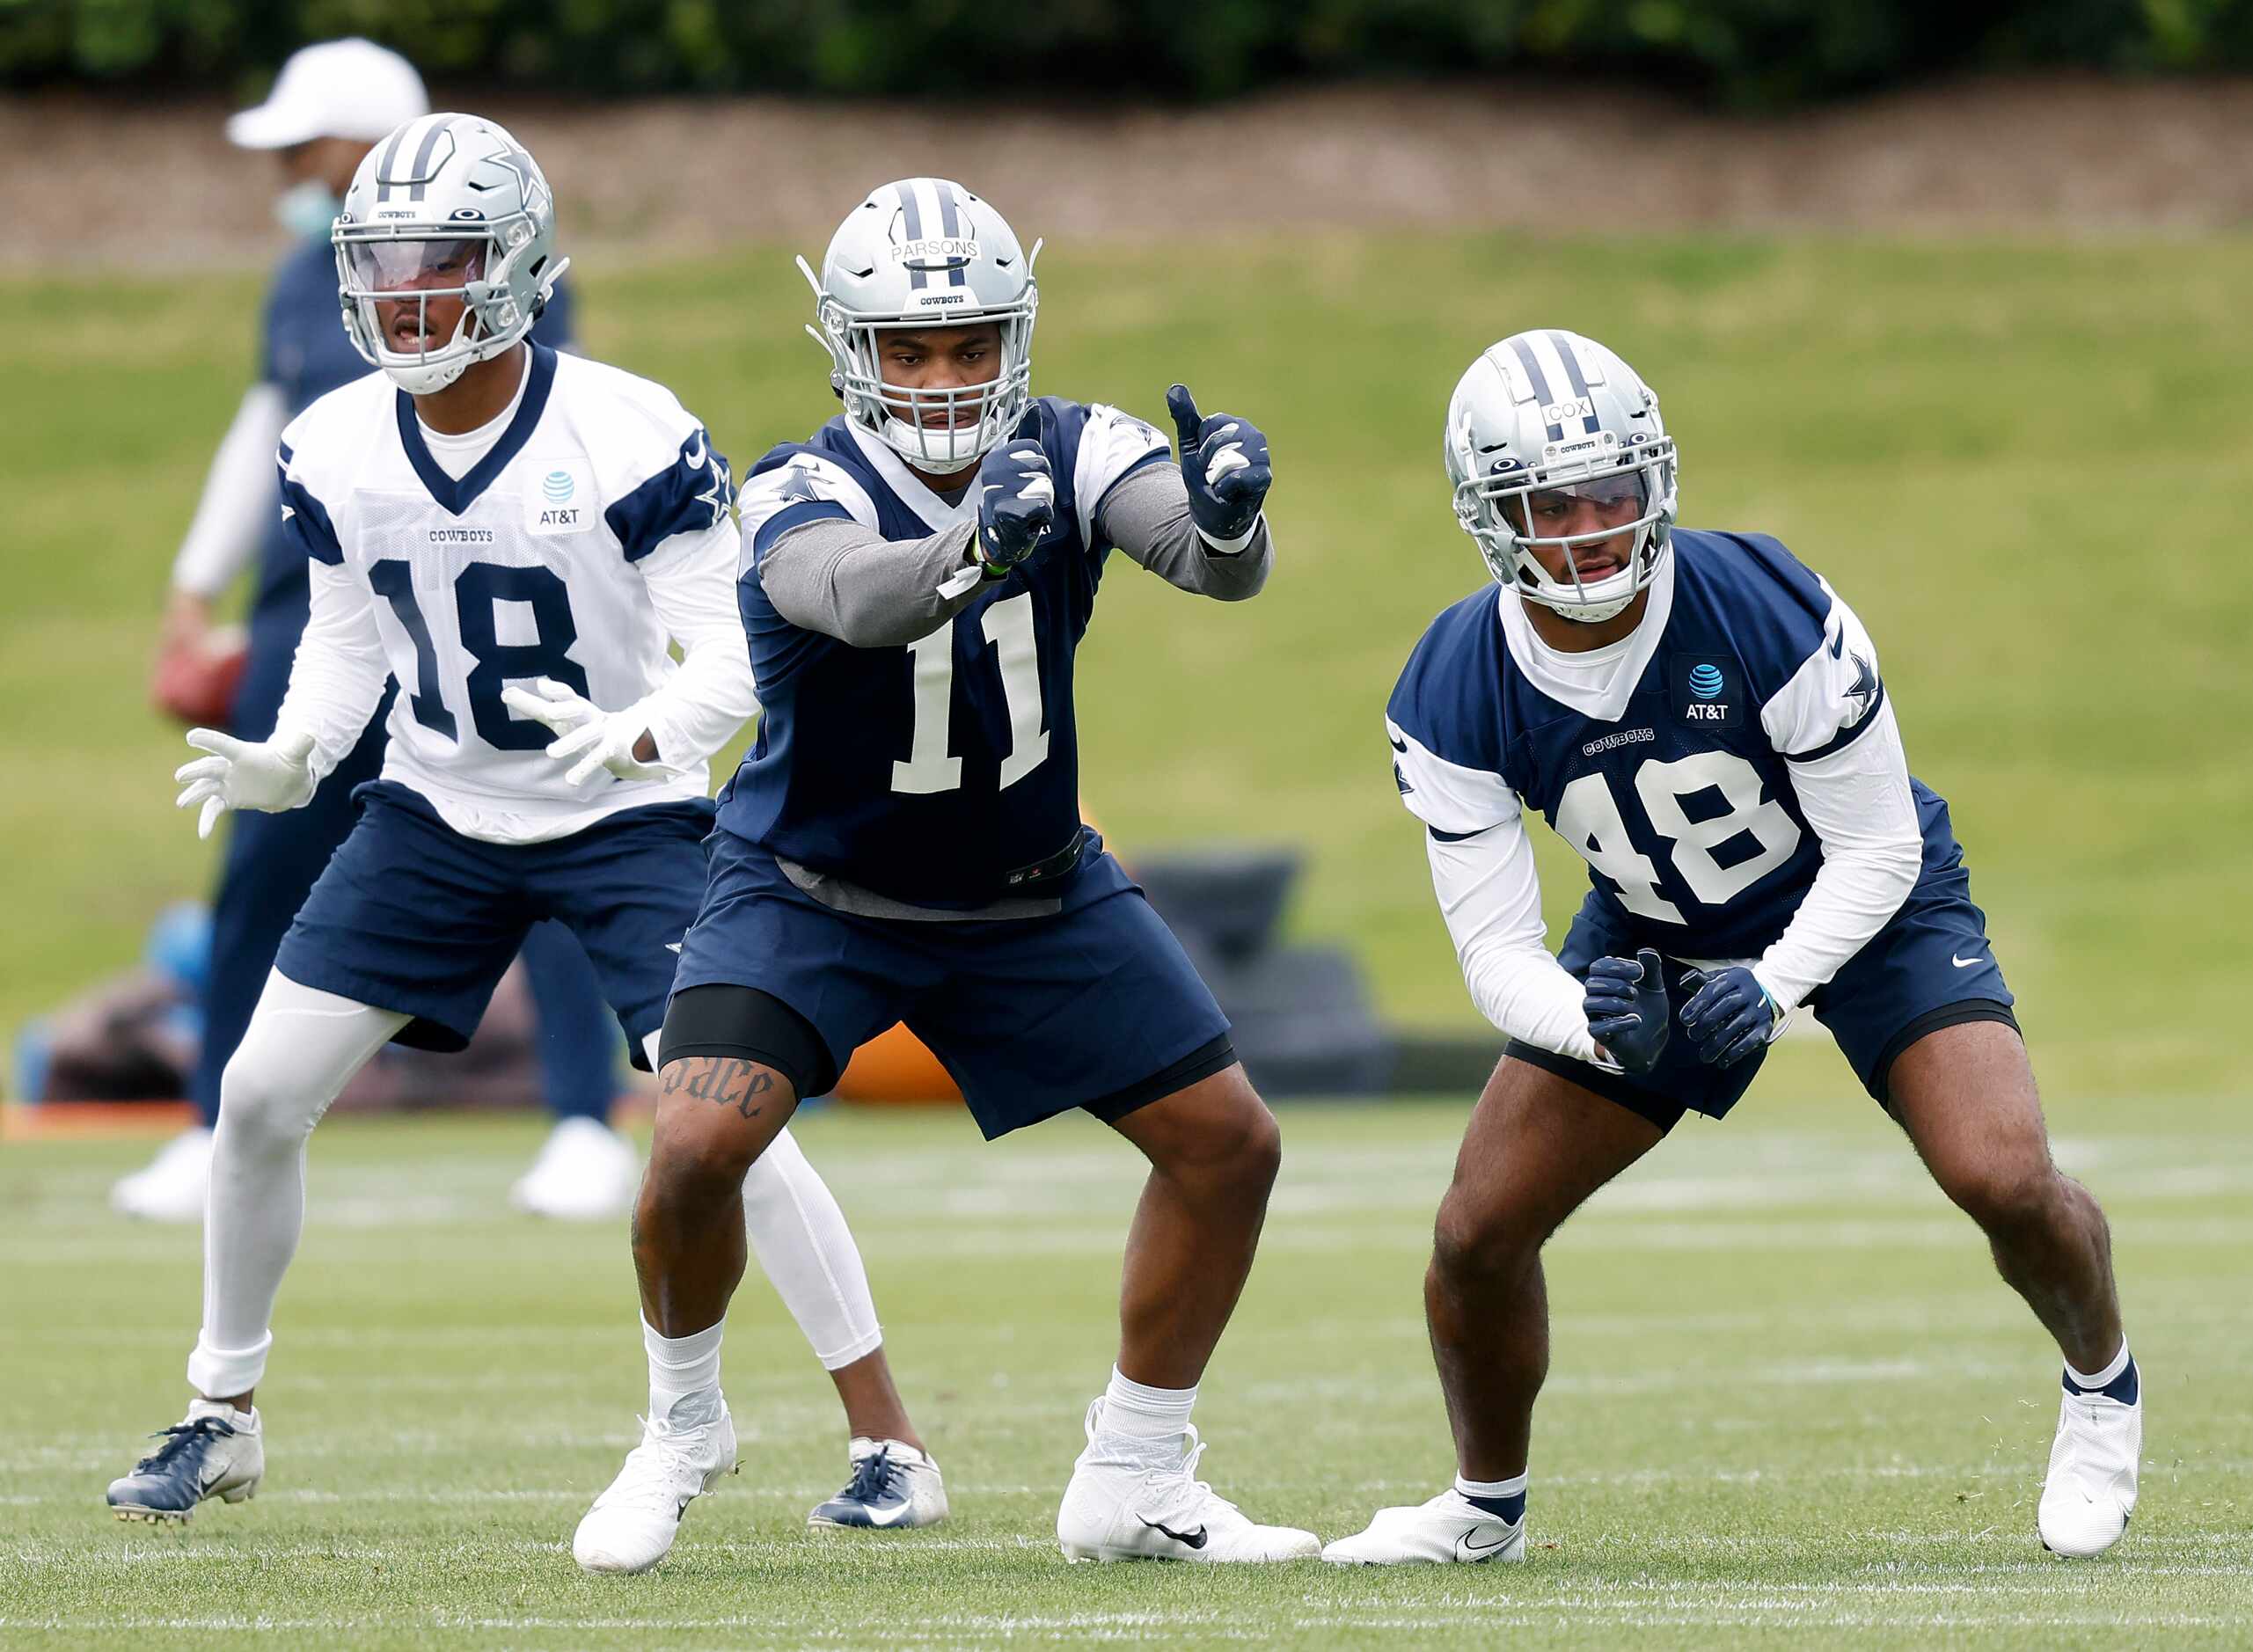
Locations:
(2090, 1490)
(1449, 1528)
(894, 1488)
(171, 1187)
(214, 1451)
(1126, 1503)
(587, 1172)
(632, 1524)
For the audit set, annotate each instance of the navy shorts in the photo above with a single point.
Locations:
(1931, 967)
(1031, 1016)
(411, 916)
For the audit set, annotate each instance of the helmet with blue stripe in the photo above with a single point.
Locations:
(1550, 412)
(446, 207)
(924, 253)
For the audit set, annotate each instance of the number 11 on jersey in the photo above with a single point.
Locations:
(1009, 628)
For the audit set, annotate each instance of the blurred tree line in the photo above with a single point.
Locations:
(1753, 54)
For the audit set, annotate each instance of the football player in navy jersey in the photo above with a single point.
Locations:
(903, 843)
(1703, 720)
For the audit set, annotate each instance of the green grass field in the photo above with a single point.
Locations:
(2017, 461)
(1789, 1402)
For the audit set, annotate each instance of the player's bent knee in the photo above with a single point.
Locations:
(715, 1116)
(2006, 1195)
(258, 1105)
(1471, 1241)
(1225, 1131)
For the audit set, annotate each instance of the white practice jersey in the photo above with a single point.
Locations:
(594, 530)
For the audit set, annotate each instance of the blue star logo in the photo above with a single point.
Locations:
(1863, 689)
(796, 486)
(717, 495)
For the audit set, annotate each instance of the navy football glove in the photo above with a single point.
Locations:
(1729, 1014)
(1627, 1009)
(1225, 462)
(1016, 497)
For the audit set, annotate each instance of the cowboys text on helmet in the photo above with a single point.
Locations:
(1541, 420)
(916, 255)
(445, 251)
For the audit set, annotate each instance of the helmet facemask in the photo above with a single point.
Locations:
(1497, 509)
(380, 266)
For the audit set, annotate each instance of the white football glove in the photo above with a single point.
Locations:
(598, 739)
(267, 775)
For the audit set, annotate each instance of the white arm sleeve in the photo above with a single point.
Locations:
(1491, 894)
(1859, 802)
(338, 676)
(691, 580)
(238, 502)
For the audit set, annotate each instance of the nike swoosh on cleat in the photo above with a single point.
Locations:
(1964, 963)
(1193, 1539)
(886, 1518)
(1471, 1551)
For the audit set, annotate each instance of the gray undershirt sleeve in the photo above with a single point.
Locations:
(1147, 517)
(850, 582)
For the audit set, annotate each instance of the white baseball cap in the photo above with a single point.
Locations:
(346, 89)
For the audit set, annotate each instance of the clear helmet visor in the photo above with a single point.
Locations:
(1578, 517)
(412, 266)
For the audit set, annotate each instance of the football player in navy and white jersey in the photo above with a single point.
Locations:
(1704, 721)
(330, 101)
(903, 843)
(516, 536)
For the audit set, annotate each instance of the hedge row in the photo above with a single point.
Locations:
(1749, 52)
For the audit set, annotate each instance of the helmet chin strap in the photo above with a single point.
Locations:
(906, 440)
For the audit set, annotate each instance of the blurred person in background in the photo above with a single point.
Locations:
(330, 102)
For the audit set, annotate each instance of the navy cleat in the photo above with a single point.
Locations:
(215, 1452)
(894, 1487)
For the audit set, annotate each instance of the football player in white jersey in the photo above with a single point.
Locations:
(1703, 720)
(516, 535)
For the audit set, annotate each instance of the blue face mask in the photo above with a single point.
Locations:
(307, 210)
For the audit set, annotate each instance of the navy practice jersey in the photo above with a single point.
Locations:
(928, 773)
(1683, 804)
(305, 351)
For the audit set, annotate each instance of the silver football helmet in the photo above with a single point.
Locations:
(921, 253)
(449, 206)
(1551, 412)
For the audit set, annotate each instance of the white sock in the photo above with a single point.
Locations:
(684, 1368)
(1149, 1417)
(226, 1410)
(2106, 1378)
(1509, 1487)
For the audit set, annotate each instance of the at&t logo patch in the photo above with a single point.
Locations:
(560, 499)
(1708, 689)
